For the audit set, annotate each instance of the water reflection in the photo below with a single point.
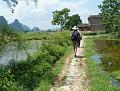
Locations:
(11, 53)
(96, 58)
(108, 57)
(110, 50)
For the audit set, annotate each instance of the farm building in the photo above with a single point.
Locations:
(95, 23)
(84, 27)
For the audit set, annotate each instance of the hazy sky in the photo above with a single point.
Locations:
(42, 15)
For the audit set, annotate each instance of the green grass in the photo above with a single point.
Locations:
(93, 32)
(35, 35)
(116, 75)
(48, 80)
(99, 81)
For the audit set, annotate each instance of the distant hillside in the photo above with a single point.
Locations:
(3, 21)
(16, 25)
(36, 29)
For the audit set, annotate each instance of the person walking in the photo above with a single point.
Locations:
(75, 37)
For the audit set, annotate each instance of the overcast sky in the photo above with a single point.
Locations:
(42, 15)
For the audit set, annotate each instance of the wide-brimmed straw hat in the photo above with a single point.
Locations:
(75, 28)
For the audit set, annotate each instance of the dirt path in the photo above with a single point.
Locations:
(73, 75)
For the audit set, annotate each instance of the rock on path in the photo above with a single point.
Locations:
(74, 76)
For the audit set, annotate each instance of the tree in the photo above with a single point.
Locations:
(60, 17)
(12, 3)
(110, 12)
(73, 20)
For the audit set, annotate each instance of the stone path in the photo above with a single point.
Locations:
(73, 76)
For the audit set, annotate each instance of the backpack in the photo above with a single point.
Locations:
(75, 36)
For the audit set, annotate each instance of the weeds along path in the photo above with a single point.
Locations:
(73, 75)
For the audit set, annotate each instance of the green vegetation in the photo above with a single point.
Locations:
(7, 35)
(45, 83)
(99, 81)
(65, 21)
(93, 33)
(35, 35)
(116, 75)
(60, 17)
(111, 16)
(12, 3)
(39, 69)
(73, 20)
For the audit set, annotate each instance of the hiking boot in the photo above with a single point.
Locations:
(75, 55)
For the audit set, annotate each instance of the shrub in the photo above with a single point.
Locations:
(54, 50)
(7, 83)
(29, 73)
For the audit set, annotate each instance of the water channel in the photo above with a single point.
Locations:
(108, 57)
(11, 52)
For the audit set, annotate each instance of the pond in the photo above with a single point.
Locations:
(108, 57)
(11, 52)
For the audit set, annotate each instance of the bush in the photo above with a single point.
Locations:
(7, 82)
(54, 50)
(29, 73)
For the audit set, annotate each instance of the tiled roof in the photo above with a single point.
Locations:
(94, 16)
